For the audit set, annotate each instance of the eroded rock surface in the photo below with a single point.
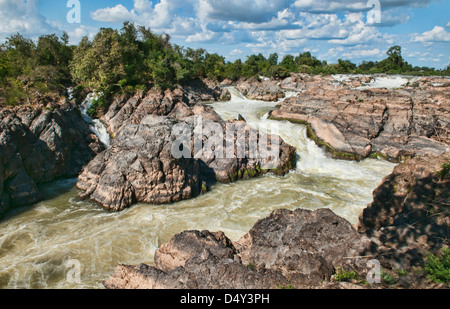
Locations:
(300, 248)
(354, 122)
(141, 164)
(40, 144)
(409, 216)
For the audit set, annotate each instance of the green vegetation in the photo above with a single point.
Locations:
(29, 71)
(343, 275)
(438, 267)
(444, 171)
(133, 58)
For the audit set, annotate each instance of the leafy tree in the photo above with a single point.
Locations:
(289, 64)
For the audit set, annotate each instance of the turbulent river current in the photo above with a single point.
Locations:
(63, 242)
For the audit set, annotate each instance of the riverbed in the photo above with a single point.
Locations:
(39, 244)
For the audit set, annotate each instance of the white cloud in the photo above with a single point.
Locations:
(235, 52)
(118, 13)
(81, 31)
(22, 16)
(363, 53)
(437, 34)
(251, 11)
(448, 25)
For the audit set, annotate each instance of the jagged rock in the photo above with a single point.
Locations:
(266, 90)
(38, 145)
(304, 246)
(300, 248)
(409, 216)
(140, 165)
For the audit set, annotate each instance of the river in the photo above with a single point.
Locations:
(38, 244)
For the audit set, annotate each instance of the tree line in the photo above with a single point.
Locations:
(134, 58)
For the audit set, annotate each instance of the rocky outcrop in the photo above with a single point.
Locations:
(141, 165)
(300, 248)
(38, 145)
(409, 216)
(354, 123)
(265, 90)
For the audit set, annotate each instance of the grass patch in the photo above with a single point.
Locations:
(343, 275)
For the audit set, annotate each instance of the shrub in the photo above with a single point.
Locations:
(438, 267)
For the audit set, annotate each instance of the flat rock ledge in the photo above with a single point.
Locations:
(354, 122)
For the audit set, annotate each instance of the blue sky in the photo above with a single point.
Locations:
(329, 29)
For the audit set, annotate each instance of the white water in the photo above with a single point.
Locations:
(388, 82)
(37, 242)
(95, 125)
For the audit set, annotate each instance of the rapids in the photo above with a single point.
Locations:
(37, 242)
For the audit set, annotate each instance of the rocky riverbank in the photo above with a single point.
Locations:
(315, 249)
(359, 116)
(39, 144)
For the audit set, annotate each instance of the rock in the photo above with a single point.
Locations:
(38, 145)
(299, 248)
(266, 90)
(304, 246)
(354, 123)
(157, 156)
(409, 216)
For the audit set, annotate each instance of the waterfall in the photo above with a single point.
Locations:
(95, 125)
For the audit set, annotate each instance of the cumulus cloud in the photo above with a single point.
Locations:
(251, 11)
(114, 14)
(437, 34)
(363, 53)
(23, 17)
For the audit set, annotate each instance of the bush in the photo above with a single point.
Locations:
(438, 267)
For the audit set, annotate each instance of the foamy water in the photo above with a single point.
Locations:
(95, 125)
(37, 242)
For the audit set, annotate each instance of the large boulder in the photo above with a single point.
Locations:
(265, 90)
(409, 216)
(304, 246)
(168, 147)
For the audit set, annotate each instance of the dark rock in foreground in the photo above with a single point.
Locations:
(300, 248)
(38, 145)
(410, 214)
